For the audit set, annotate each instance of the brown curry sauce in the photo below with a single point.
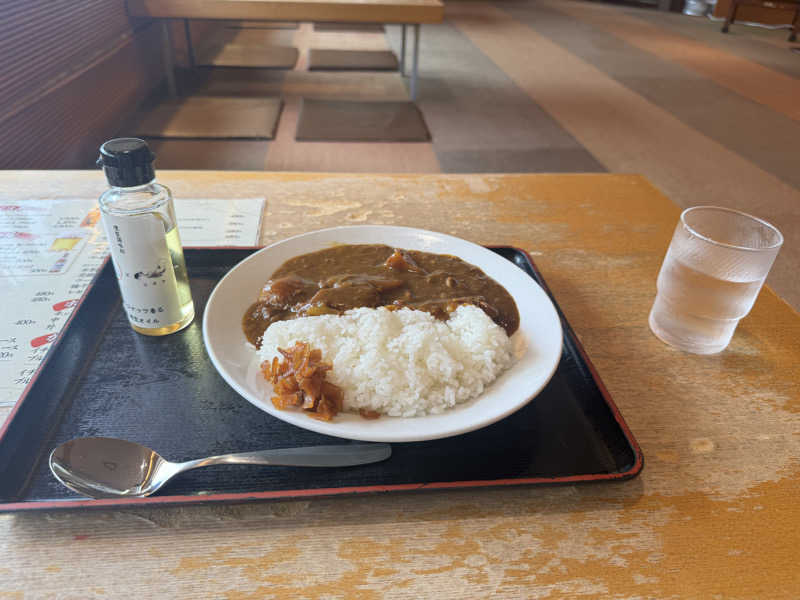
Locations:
(339, 278)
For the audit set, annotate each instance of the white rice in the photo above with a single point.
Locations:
(402, 363)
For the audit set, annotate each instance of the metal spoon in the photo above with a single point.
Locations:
(102, 467)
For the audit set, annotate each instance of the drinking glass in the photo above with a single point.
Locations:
(714, 268)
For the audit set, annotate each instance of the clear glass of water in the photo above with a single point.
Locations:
(714, 268)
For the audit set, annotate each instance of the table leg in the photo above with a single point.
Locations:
(166, 58)
(414, 63)
(731, 16)
(403, 49)
(189, 46)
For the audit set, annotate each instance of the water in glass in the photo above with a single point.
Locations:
(705, 287)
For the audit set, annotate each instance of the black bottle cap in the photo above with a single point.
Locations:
(127, 162)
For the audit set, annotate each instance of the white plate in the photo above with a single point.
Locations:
(537, 342)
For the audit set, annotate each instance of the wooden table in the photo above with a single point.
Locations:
(715, 513)
(784, 5)
(404, 12)
(357, 11)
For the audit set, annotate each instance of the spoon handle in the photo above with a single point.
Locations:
(343, 455)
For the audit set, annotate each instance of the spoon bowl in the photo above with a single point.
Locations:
(101, 467)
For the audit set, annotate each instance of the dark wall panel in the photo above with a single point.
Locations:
(69, 72)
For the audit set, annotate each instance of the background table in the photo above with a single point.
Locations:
(715, 512)
(404, 12)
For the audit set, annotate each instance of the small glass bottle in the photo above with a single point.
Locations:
(139, 219)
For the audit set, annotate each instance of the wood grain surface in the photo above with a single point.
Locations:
(713, 515)
(357, 11)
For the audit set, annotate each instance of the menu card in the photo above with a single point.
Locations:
(50, 250)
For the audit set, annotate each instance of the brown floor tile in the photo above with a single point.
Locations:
(204, 117)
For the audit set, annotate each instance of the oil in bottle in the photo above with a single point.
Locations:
(139, 218)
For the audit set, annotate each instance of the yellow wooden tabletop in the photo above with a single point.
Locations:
(714, 514)
(369, 11)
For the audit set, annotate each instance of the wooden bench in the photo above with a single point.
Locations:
(402, 12)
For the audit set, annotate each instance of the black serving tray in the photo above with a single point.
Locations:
(103, 379)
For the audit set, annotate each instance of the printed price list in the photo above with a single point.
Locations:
(50, 251)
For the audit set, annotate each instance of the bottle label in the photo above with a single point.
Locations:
(144, 269)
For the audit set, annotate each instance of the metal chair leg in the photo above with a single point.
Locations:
(189, 46)
(403, 50)
(414, 64)
(166, 58)
(731, 16)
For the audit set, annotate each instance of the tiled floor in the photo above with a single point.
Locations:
(562, 86)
